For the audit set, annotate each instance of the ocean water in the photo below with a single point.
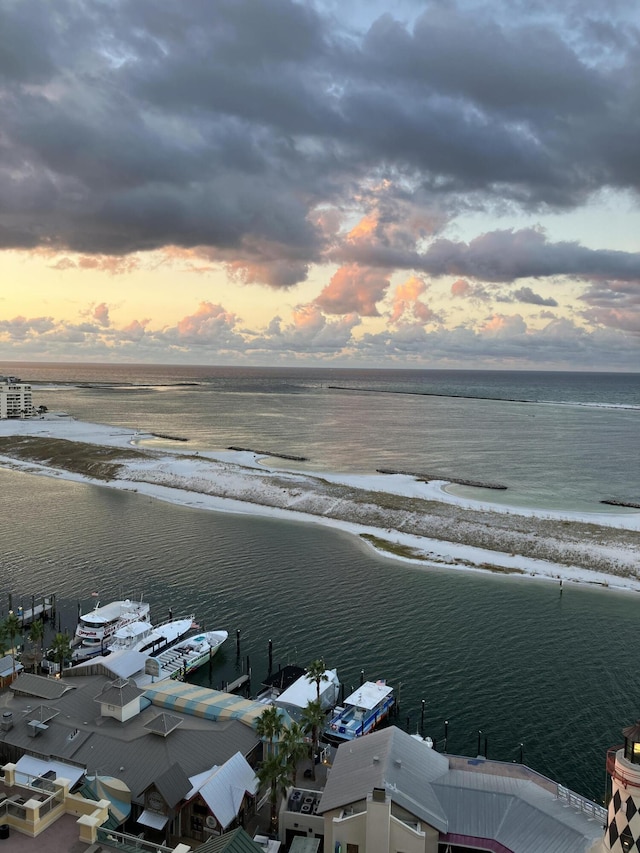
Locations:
(509, 657)
(556, 440)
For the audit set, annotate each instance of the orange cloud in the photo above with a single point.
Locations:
(364, 229)
(353, 289)
(461, 287)
(101, 314)
(406, 301)
(501, 325)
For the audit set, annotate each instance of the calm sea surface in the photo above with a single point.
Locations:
(506, 656)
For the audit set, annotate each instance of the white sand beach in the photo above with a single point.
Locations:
(400, 516)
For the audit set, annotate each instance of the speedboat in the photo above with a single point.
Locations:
(96, 628)
(187, 655)
(362, 712)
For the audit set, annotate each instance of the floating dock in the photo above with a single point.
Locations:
(42, 611)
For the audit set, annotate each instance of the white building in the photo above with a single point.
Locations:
(15, 398)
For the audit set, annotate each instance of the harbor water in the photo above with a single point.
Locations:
(511, 658)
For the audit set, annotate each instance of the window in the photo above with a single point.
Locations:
(352, 848)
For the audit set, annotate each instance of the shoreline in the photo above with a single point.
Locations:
(397, 516)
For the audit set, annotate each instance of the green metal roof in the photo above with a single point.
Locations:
(236, 841)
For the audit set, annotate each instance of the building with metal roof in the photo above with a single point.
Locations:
(103, 726)
(389, 791)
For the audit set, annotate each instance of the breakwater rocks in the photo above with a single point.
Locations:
(620, 502)
(170, 437)
(270, 453)
(422, 476)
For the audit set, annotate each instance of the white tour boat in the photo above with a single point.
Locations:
(96, 628)
(149, 639)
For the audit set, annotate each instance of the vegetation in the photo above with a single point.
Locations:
(91, 460)
(61, 648)
(269, 727)
(317, 671)
(313, 719)
(275, 772)
(36, 634)
(294, 747)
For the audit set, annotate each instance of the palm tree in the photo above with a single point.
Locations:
(12, 628)
(61, 649)
(317, 671)
(313, 719)
(36, 633)
(275, 773)
(269, 726)
(294, 746)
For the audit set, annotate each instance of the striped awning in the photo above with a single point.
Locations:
(114, 790)
(207, 703)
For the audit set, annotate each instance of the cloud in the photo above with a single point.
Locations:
(101, 314)
(137, 124)
(525, 294)
(407, 303)
(614, 304)
(353, 289)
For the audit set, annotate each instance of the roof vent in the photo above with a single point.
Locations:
(376, 759)
(397, 762)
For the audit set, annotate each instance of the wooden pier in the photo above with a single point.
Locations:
(43, 610)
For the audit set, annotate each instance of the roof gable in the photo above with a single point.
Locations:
(224, 788)
(393, 760)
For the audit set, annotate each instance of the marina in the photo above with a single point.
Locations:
(146, 638)
(186, 656)
(363, 711)
(96, 629)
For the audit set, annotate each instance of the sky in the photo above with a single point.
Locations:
(364, 184)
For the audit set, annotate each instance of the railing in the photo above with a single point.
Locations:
(130, 843)
(618, 774)
(582, 804)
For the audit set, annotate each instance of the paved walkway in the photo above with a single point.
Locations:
(62, 837)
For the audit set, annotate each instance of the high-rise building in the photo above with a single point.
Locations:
(15, 398)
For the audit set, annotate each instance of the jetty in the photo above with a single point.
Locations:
(169, 437)
(620, 502)
(43, 611)
(269, 453)
(419, 475)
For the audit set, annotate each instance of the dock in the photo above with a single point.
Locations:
(42, 611)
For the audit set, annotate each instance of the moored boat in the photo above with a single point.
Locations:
(97, 628)
(187, 655)
(150, 639)
(362, 712)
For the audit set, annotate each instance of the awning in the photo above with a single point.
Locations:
(153, 819)
(207, 703)
(28, 766)
(107, 788)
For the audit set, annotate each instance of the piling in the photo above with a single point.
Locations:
(479, 737)
(270, 658)
(422, 719)
(446, 734)
(361, 677)
(238, 643)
